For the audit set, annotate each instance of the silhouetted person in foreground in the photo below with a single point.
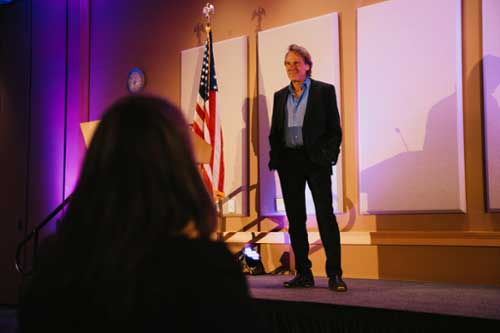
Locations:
(305, 142)
(133, 252)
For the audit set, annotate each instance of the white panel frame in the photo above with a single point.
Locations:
(320, 36)
(491, 98)
(410, 114)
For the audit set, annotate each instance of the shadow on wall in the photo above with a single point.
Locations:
(443, 263)
(491, 127)
(244, 158)
(232, 191)
(426, 179)
(266, 179)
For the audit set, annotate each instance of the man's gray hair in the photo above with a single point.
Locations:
(306, 56)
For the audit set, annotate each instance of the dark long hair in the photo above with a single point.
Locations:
(139, 187)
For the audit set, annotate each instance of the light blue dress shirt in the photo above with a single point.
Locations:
(295, 112)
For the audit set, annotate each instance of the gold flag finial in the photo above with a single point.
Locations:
(208, 11)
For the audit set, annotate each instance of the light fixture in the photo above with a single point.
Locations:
(250, 261)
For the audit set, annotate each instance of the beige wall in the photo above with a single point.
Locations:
(405, 240)
(234, 18)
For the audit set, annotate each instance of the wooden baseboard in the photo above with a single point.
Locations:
(427, 238)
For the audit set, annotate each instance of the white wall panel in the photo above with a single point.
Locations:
(410, 122)
(231, 63)
(320, 36)
(491, 91)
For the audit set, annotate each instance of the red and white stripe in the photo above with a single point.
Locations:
(206, 125)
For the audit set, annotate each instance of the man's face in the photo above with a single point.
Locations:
(295, 67)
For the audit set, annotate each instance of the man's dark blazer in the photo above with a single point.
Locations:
(321, 129)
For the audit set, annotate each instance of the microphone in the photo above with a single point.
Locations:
(402, 138)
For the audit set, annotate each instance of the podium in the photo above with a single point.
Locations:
(202, 150)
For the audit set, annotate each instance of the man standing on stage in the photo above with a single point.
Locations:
(305, 142)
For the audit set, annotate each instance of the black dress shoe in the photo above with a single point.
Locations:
(300, 281)
(336, 283)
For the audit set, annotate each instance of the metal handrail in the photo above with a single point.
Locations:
(35, 234)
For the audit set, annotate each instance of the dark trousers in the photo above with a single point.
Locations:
(294, 172)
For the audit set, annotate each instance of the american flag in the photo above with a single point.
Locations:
(206, 123)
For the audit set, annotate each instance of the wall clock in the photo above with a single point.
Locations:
(136, 80)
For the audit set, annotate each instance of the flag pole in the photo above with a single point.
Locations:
(208, 11)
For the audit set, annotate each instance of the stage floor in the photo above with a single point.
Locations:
(445, 299)
(368, 306)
